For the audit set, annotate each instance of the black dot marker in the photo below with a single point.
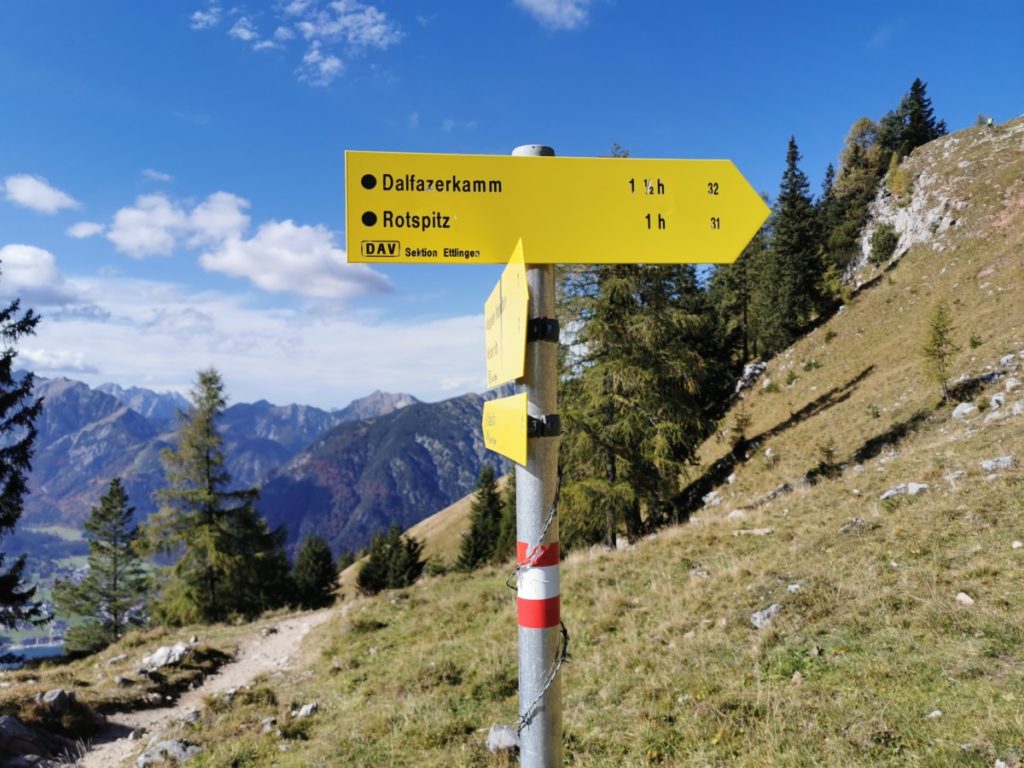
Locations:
(369, 181)
(369, 218)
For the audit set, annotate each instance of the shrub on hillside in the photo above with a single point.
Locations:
(883, 243)
(394, 561)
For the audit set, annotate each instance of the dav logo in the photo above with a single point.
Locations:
(381, 248)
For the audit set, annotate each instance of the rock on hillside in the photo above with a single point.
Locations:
(939, 196)
(363, 476)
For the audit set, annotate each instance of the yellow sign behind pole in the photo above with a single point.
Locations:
(457, 209)
(505, 323)
(504, 426)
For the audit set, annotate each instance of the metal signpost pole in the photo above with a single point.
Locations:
(540, 688)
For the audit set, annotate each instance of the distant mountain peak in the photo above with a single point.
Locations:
(159, 406)
(375, 404)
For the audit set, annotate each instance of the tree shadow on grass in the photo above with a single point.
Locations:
(691, 497)
(894, 435)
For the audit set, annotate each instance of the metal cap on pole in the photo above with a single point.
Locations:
(539, 602)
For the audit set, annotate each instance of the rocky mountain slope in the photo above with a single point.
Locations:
(363, 476)
(89, 436)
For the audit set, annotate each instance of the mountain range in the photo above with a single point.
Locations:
(343, 474)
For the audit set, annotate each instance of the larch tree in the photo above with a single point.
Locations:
(629, 397)
(228, 562)
(939, 348)
(112, 595)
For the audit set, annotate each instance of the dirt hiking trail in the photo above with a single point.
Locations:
(259, 654)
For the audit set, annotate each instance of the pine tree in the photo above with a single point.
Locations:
(733, 294)
(912, 124)
(939, 348)
(480, 541)
(315, 574)
(228, 563)
(18, 414)
(111, 595)
(795, 263)
(392, 562)
(921, 125)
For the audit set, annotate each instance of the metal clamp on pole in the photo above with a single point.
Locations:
(542, 329)
(544, 426)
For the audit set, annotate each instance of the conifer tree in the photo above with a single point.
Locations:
(505, 549)
(110, 598)
(733, 292)
(229, 562)
(392, 562)
(939, 348)
(315, 574)
(629, 396)
(795, 264)
(18, 413)
(479, 542)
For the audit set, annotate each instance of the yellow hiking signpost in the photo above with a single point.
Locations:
(457, 209)
(465, 209)
(504, 426)
(505, 323)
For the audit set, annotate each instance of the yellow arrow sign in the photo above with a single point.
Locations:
(505, 323)
(504, 426)
(457, 209)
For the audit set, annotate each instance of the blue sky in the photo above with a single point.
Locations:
(172, 174)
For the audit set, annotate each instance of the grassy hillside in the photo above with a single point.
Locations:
(871, 640)
(898, 639)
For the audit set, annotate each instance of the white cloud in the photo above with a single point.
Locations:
(330, 358)
(218, 218)
(357, 24)
(557, 14)
(243, 30)
(31, 274)
(154, 175)
(205, 19)
(84, 229)
(319, 69)
(56, 361)
(325, 25)
(35, 193)
(297, 7)
(283, 256)
(150, 228)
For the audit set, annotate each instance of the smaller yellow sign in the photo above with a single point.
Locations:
(505, 323)
(505, 427)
